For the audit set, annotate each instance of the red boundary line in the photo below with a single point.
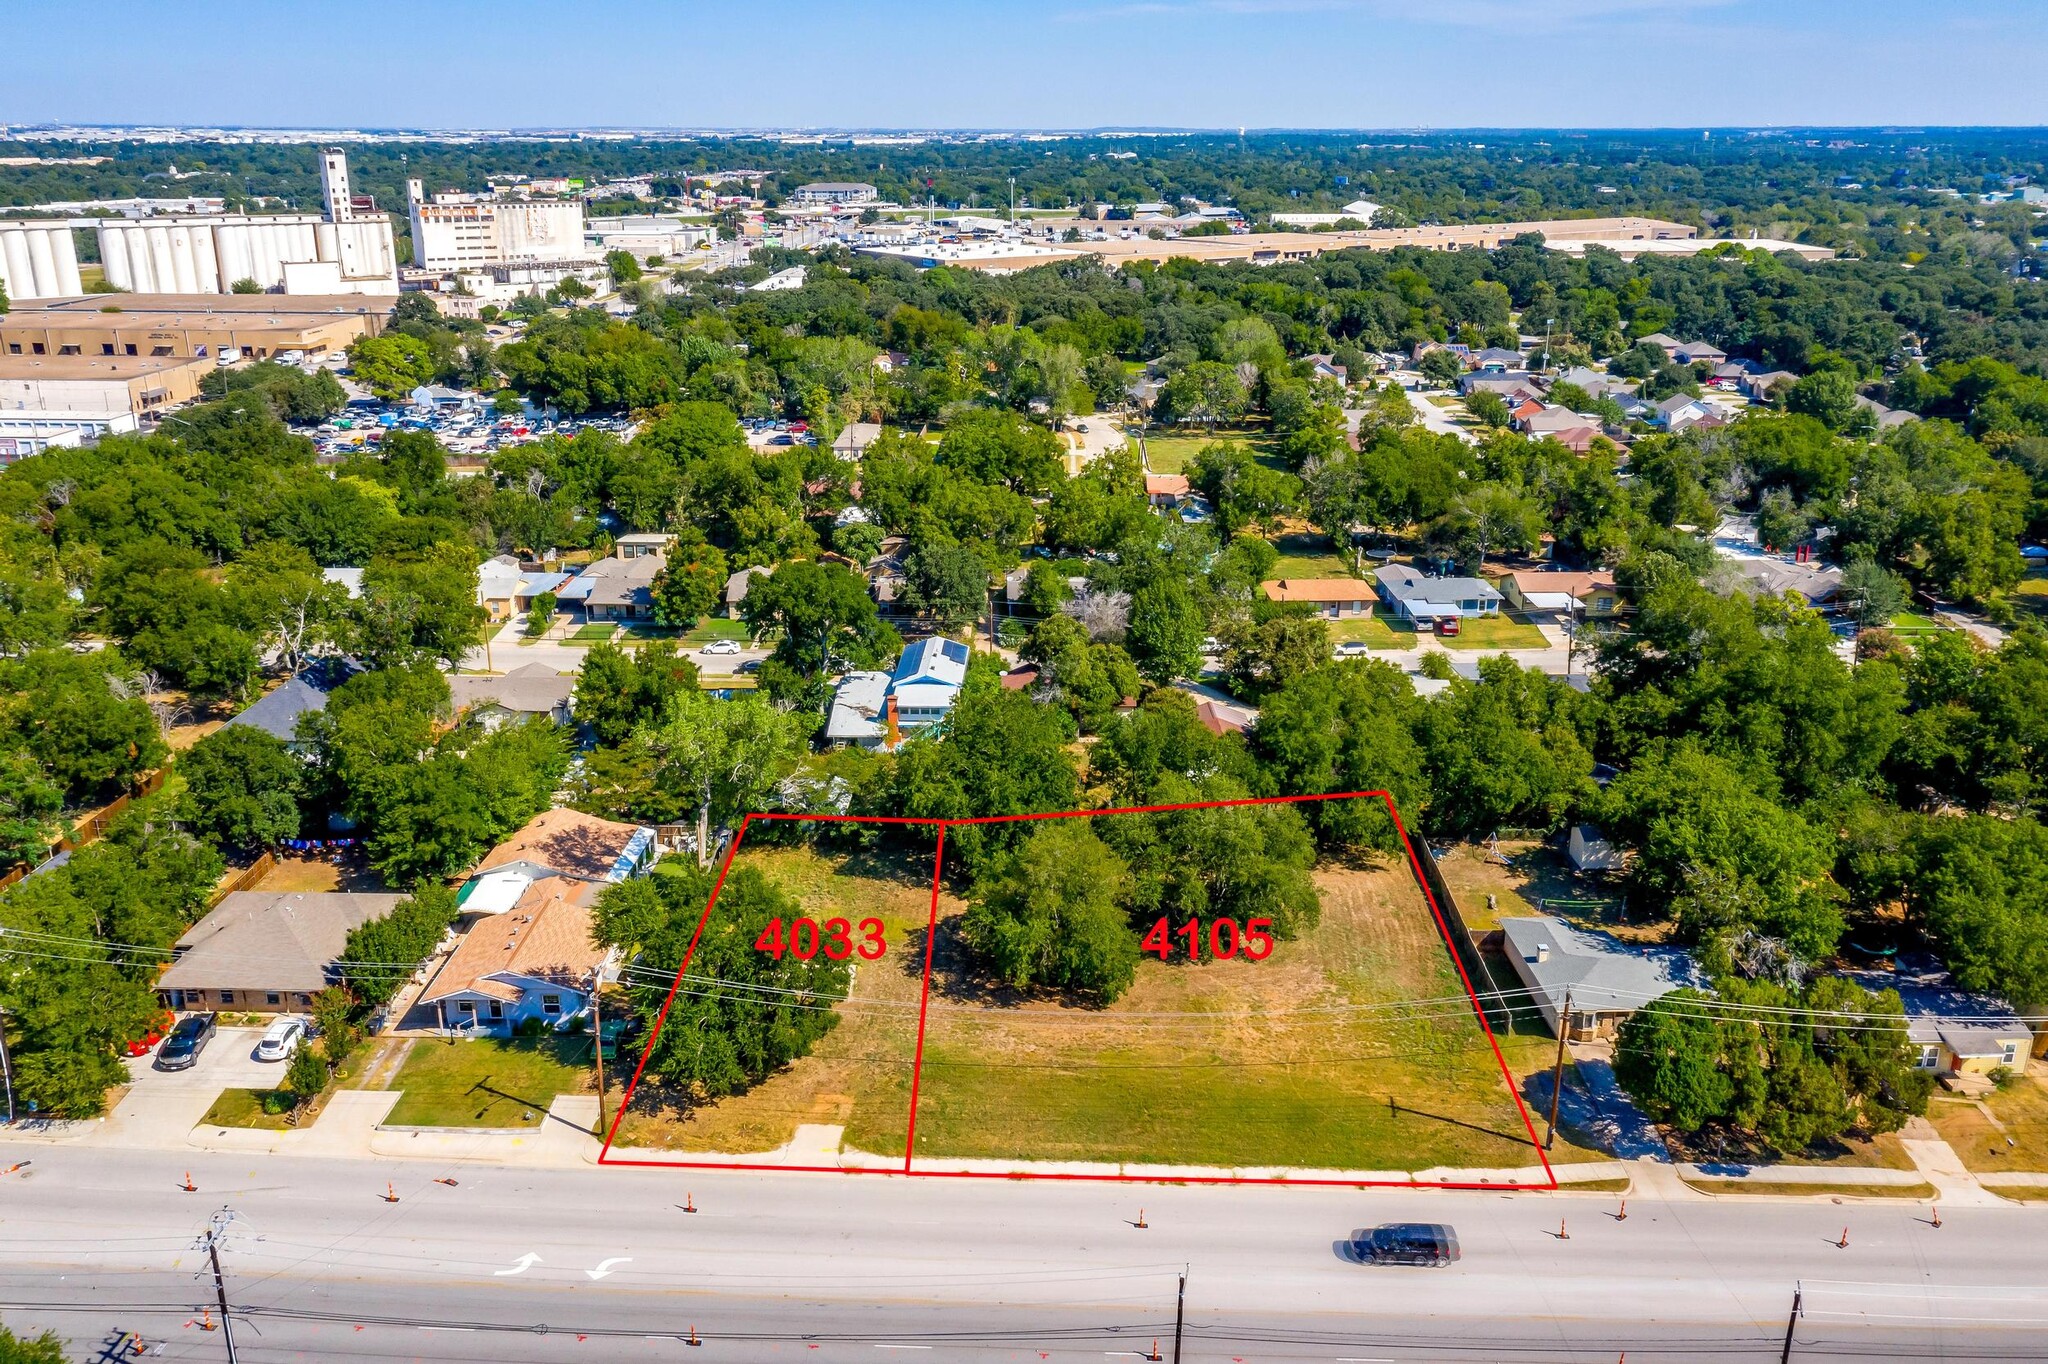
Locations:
(605, 1156)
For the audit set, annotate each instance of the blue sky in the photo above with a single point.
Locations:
(1045, 63)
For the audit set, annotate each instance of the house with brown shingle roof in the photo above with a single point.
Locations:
(1336, 598)
(535, 960)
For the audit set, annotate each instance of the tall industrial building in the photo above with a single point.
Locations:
(349, 249)
(458, 231)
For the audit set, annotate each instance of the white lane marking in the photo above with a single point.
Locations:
(903, 1347)
(448, 1328)
(526, 1262)
(604, 1267)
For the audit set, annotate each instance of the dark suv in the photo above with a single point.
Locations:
(1407, 1243)
(180, 1051)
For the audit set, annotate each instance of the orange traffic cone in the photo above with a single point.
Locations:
(693, 1337)
(1622, 1216)
(451, 1183)
(689, 1202)
(1155, 1355)
(206, 1319)
(1844, 1242)
(1937, 1215)
(390, 1193)
(188, 1186)
(1141, 1224)
(1562, 1234)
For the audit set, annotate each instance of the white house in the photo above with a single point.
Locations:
(535, 960)
(873, 709)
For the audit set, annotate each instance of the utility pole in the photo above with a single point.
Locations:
(1564, 1027)
(214, 1231)
(597, 1030)
(6, 1069)
(1798, 1292)
(1180, 1311)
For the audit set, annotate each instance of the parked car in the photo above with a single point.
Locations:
(181, 1049)
(1407, 1243)
(1353, 648)
(721, 646)
(1449, 625)
(281, 1039)
(154, 1034)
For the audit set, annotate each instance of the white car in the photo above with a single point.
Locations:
(1352, 648)
(281, 1039)
(721, 646)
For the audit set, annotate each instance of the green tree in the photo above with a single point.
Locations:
(691, 583)
(29, 805)
(720, 758)
(621, 265)
(418, 605)
(617, 691)
(276, 592)
(821, 611)
(540, 614)
(383, 953)
(392, 365)
(947, 582)
(1872, 593)
(1166, 631)
(1668, 1056)
(1441, 367)
(242, 790)
(1053, 916)
(47, 1348)
(1346, 728)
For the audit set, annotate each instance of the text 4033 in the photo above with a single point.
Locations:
(806, 938)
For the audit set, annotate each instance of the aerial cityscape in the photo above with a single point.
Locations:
(1185, 681)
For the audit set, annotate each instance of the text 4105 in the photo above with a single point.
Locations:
(1222, 938)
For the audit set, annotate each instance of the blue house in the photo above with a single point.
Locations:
(875, 709)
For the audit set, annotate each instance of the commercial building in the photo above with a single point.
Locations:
(190, 326)
(645, 236)
(834, 192)
(349, 249)
(97, 385)
(460, 231)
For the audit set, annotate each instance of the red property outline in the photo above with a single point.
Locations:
(605, 1156)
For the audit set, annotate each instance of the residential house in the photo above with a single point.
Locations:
(1510, 384)
(874, 709)
(534, 960)
(1165, 490)
(504, 589)
(557, 843)
(1697, 352)
(853, 441)
(278, 711)
(644, 544)
(1417, 597)
(614, 588)
(1765, 386)
(1678, 413)
(1495, 358)
(1549, 421)
(533, 689)
(266, 951)
(349, 580)
(1422, 348)
(1326, 367)
(1336, 598)
(736, 588)
(1587, 594)
(1963, 1054)
(1768, 577)
(1885, 417)
(1604, 979)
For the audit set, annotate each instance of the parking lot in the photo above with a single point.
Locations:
(468, 428)
(161, 1102)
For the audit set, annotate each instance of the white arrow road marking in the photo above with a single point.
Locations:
(604, 1267)
(526, 1262)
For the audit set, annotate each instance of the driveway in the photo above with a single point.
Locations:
(511, 649)
(161, 1102)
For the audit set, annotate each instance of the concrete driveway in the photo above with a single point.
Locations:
(160, 1102)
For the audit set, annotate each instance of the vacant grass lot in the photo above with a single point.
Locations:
(1308, 555)
(1169, 453)
(489, 1082)
(1352, 1048)
(858, 1077)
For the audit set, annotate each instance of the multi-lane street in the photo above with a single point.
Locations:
(605, 1264)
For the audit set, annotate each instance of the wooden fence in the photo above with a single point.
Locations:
(1461, 937)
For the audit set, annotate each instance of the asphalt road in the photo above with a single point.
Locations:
(842, 1268)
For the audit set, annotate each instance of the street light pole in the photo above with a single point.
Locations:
(220, 1287)
(6, 1068)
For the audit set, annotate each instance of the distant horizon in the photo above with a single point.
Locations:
(12, 129)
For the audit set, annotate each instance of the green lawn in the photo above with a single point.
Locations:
(710, 628)
(243, 1108)
(1913, 623)
(488, 1082)
(1169, 453)
(595, 633)
(1496, 632)
(1379, 630)
(1309, 556)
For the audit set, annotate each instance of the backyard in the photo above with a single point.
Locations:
(488, 1081)
(858, 1076)
(1169, 454)
(1308, 554)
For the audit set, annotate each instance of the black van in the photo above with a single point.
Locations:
(1408, 1243)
